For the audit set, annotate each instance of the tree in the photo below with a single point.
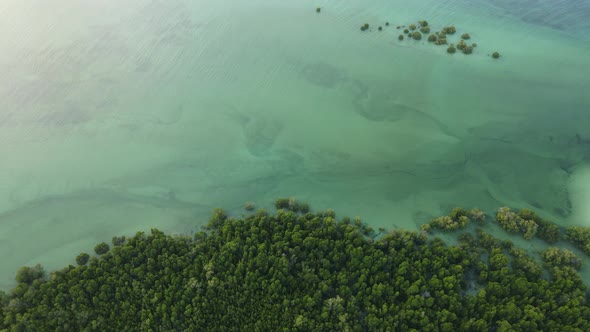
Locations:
(580, 237)
(304, 271)
(118, 240)
(82, 259)
(101, 248)
(27, 274)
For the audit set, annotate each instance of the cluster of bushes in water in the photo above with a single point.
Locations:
(580, 237)
(296, 270)
(525, 222)
(415, 31)
(458, 218)
(529, 224)
(438, 38)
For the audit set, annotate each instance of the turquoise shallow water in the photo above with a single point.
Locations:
(121, 117)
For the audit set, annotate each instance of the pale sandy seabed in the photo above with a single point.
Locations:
(117, 118)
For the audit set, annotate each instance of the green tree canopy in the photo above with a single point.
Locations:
(300, 272)
(101, 248)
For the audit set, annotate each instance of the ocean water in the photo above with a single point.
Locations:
(117, 117)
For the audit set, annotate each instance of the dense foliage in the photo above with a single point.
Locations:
(458, 218)
(291, 204)
(300, 272)
(528, 223)
(101, 248)
(580, 237)
(561, 257)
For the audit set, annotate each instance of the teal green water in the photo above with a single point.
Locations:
(118, 117)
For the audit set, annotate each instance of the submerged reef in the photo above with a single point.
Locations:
(304, 271)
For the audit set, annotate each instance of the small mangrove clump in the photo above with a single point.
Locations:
(467, 50)
(319, 9)
(465, 36)
(118, 240)
(556, 257)
(451, 49)
(400, 37)
(441, 41)
(423, 23)
(29, 274)
(474, 45)
(579, 237)
(417, 35)
(330, 213)
(458, 218)
(529, 224)
(412, 27)
(291, 204)
(546, 231)
(449, 30)
(386, 24)
(508, 219)
(249, 206)
(406, 31)
(365, 27)
(461, 45)
(528, 228)
(82, 259)
(425, 29)
(432, 38)
(476, 214)
(101, 248)
(495, 55)
(379, 28)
